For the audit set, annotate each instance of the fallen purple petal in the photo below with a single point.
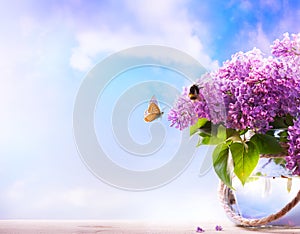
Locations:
(219, 228)
(200, 230)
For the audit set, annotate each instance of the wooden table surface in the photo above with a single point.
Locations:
(132, 227)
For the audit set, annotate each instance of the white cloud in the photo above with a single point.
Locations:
(30, 198)
(289, 22)
(67, 197)
(253, 36)
(16, 191)
(153, 22)
(259, 39)
(28, 25)
(246, 5)
(80, 60)
(271, 5)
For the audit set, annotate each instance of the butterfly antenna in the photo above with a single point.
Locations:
(163, 110)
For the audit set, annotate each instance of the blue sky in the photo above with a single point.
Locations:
(47, 48)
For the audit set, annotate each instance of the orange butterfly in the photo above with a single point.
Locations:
(153, 112)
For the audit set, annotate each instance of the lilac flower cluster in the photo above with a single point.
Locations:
(182, 115)
(185, 112)
(248, 92)
(287, 46)
(288, 51)
(249, 84)
(214, 109)
(293, 158)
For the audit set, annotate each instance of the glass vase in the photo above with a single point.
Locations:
(270, 197)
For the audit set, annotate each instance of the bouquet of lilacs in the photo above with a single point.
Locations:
(249, 107)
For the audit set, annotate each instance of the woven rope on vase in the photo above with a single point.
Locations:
(223, 189)
(255, 222)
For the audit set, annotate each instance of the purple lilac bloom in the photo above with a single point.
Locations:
(255, 91)
(287, 52)
(186, 112)
(214, 109)
(182, 115)
(293, 158)
(200, 106)
(287, 47)
(248, 91)
(219, 228)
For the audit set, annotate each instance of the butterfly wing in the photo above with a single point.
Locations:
(154, 100)
(153, 111)
(150, 117)
(153, 108)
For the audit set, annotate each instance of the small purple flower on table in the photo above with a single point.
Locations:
(199, 230)
(219, 228)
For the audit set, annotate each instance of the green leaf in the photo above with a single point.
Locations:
(195, 128)
(206, 140)
(242, 132)
(211, 140)
(216, 136)
(221, 134)
(282, 122)
(233, 135)
(207, 128)
(220, 162)
(279, 123)
(283, 136)
(279, 161)
(245, 158)
(266, 144)
(289, 120)
(231, 132)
